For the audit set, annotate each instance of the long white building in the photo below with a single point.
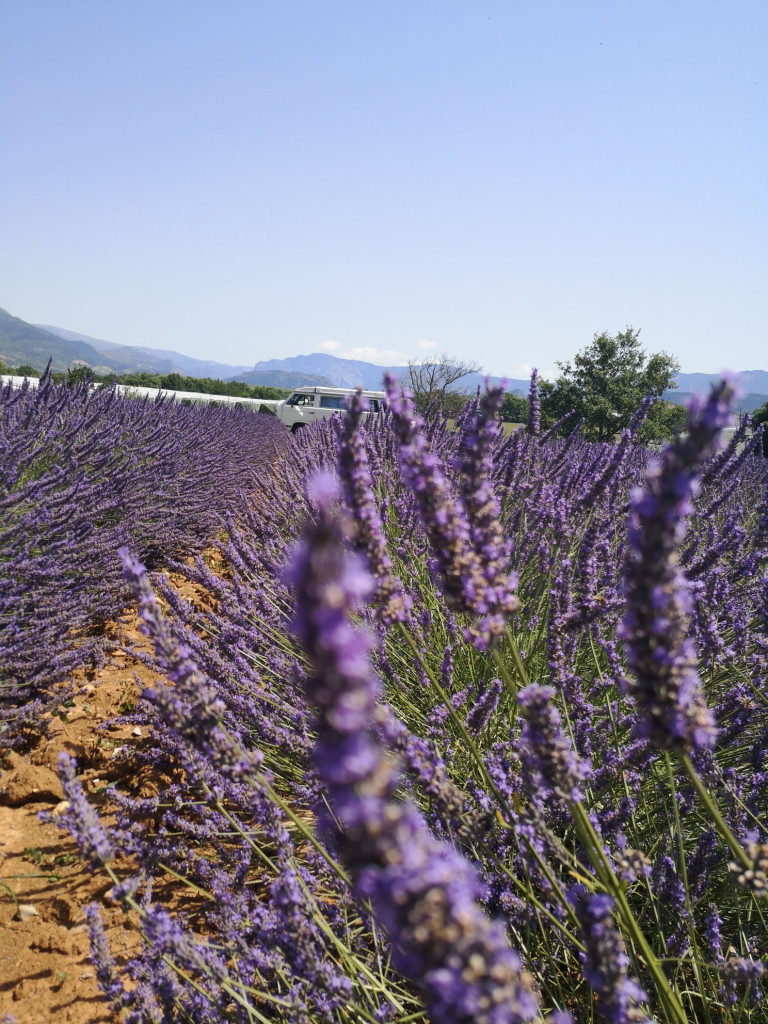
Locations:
(131, 391)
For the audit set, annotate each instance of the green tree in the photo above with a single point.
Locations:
(173, 382)
(761, 416)
(80, 375)
(606, 384)
(664, 420)
(26, 371)
(265, 391)
(514, 409)
(141, 379)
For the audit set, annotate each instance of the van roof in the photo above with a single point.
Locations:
(320, 390)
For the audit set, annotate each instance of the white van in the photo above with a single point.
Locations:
(308, 404)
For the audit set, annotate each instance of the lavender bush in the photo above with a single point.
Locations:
(525, 780)
(82, 472)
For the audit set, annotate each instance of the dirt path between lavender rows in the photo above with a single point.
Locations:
(45, 970)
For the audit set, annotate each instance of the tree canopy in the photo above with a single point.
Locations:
(761, 416)
(19, 371)
(607, 382)
(514, 408)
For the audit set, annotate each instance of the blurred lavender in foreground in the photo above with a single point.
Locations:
(421, 890)
(672, 710)
(107, 971)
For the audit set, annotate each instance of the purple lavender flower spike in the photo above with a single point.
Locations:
(713, 935)
(534, 405)
(358, 487)
(605, 962)
(444, 519)
(80, 818)
(495, 600)
(106, 967)
(742, 979)
(667, 689)
(468, 550)
(484, 707)
(421, 890)
(192, 707)
(545, 749)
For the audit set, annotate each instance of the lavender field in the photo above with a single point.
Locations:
(473, 728)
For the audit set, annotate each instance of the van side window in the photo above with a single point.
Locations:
(331, 402)
(373, 404)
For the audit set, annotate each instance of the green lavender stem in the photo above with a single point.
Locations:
(667, 995)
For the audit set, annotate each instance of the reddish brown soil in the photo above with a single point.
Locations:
(45, 969)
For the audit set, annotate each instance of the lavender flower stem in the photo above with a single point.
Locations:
(714, 812)
(320, 920)
(668, 691)
(506, 677)
(686, 889)
(607, 876)
(546, 870)
(454, 716)
(306, 833)
(519, 665)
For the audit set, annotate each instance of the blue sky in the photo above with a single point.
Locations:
(495, 180)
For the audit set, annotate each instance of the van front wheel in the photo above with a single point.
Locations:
(297, 427)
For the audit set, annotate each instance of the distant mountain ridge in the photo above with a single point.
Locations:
(138, 357)
(350, 373)
(98, 343)
(22, 343)
(285, 379)
(747, 403)
(33, 344)
(339, 373)
(754, 381)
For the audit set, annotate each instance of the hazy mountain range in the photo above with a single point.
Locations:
(22, 343)
(346, 373)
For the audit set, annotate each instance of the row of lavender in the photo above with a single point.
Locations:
(515, 768)
(82, 472)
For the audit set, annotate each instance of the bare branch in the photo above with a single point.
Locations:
(437, 379)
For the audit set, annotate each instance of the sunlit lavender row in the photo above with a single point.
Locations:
(475, 732)
(82, 472)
